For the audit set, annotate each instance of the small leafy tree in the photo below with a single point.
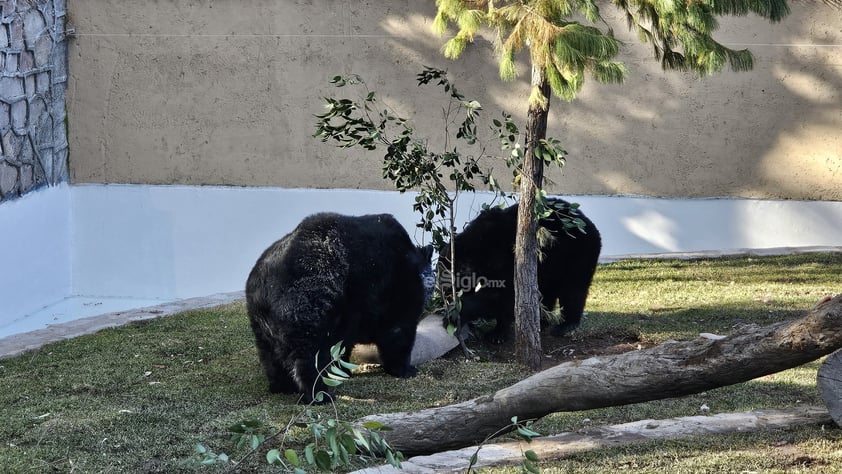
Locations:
(411, 164)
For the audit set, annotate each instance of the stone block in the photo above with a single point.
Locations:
(4, 36)
(27, 153)
(27, 178)
(62, 174)
(8, 179)
(34, 27)
(59, 63)
(11, 63)
(38, 114)
(5, 118)
(26, 61)
(40, 178)
(29, 87)
(50, 16)
(45, 155)
(19, 116)
(42, 82)
(11, 144)
(43, 51)
(16, 34)
(11, 88)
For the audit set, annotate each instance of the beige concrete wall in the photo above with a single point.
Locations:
(224, 92)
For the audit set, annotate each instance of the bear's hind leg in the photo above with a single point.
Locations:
(572, 304)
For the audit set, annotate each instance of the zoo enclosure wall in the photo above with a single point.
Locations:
(225, 93)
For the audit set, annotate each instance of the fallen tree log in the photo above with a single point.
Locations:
(563, 445)
(669, 370)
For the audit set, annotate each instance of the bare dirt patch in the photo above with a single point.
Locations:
(571, 347)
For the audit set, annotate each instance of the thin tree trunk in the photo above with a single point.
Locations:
(527, 296)
(672, 369)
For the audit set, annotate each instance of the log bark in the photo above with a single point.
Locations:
(671, 369)
(829, 380)
(637, 432)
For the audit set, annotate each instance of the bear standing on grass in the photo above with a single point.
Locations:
(336, 278)
(485, 266)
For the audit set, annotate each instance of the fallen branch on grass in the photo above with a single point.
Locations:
(563, 445)
(671, 369)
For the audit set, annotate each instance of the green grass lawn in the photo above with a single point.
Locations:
(138, 398)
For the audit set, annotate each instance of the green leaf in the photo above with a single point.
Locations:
(526, 433)
(334, 370)
(361, 441)
(309, 454)
(348, 443)
(348, 365)
(530, 467)
(274, 455)
(390, 458)
(331, 382)
(373, 425)
(333, 442)
(322, 459)
(530, 454)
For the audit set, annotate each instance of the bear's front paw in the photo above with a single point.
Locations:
(403, 372)
(410, 371)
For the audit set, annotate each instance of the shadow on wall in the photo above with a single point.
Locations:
(766, 133)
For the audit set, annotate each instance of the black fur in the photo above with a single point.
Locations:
(335, 278)
(485, 255)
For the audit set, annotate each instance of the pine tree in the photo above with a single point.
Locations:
(562, 51)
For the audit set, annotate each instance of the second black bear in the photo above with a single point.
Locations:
(485, 267)
(336, 278)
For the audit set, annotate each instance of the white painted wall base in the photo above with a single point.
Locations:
(164, 243)
(35, 268)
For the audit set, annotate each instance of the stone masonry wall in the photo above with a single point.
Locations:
(33, 79)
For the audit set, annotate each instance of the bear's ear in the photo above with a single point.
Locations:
(427, 252)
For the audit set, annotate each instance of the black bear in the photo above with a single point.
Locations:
(484, 268)
(336, 278)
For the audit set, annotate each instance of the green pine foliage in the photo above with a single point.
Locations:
(564, 49)
(680, 32)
